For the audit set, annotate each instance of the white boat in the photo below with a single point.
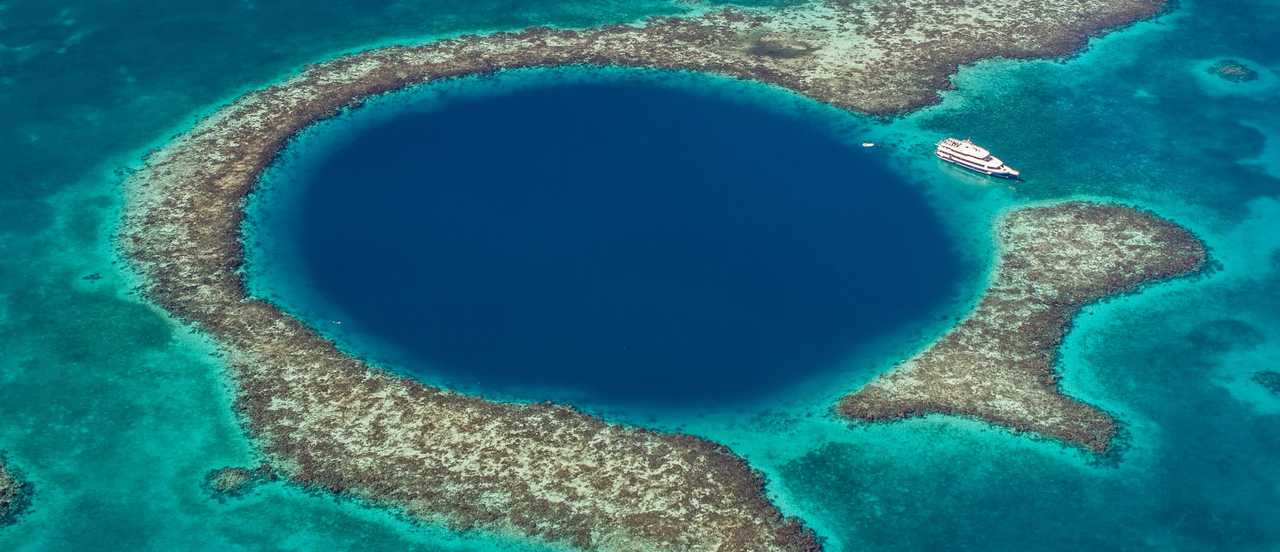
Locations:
(973, 157)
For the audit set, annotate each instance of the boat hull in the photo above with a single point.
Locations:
(980, 170)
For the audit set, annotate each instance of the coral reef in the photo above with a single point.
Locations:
(1233, 71)
(233, 482)
(1223, 335)
(998, 364)
(325, 419)
(1270, 380)
(15, 495)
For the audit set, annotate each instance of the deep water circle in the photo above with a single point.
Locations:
(626, 242)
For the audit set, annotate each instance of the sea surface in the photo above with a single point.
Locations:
(115, 413)
(620, 237)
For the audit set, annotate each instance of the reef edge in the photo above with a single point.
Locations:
(999, 364)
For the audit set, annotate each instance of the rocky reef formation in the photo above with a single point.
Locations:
(998, 364)
(1270, 380)
(15, 495)
(1232, 71)
(325, 419)
(233, 482)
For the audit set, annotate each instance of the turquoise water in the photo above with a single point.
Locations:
(115, 414)
(612, 237)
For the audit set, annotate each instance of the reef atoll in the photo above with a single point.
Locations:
(327, 420)
(15, 494)
(998, 364)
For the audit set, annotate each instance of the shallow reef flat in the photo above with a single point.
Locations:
(998, 364)
(879, 57)
(324, 419)
(14, 495)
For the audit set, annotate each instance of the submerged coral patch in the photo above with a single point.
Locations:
(1220, 336)
(1232, 71)
(1270, 380)
(234, 482)
(15, 495)
(1235, 77)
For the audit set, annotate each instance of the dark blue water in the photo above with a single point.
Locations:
(627, 242)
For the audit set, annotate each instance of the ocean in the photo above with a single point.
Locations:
(616, 238)
(115, 413)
